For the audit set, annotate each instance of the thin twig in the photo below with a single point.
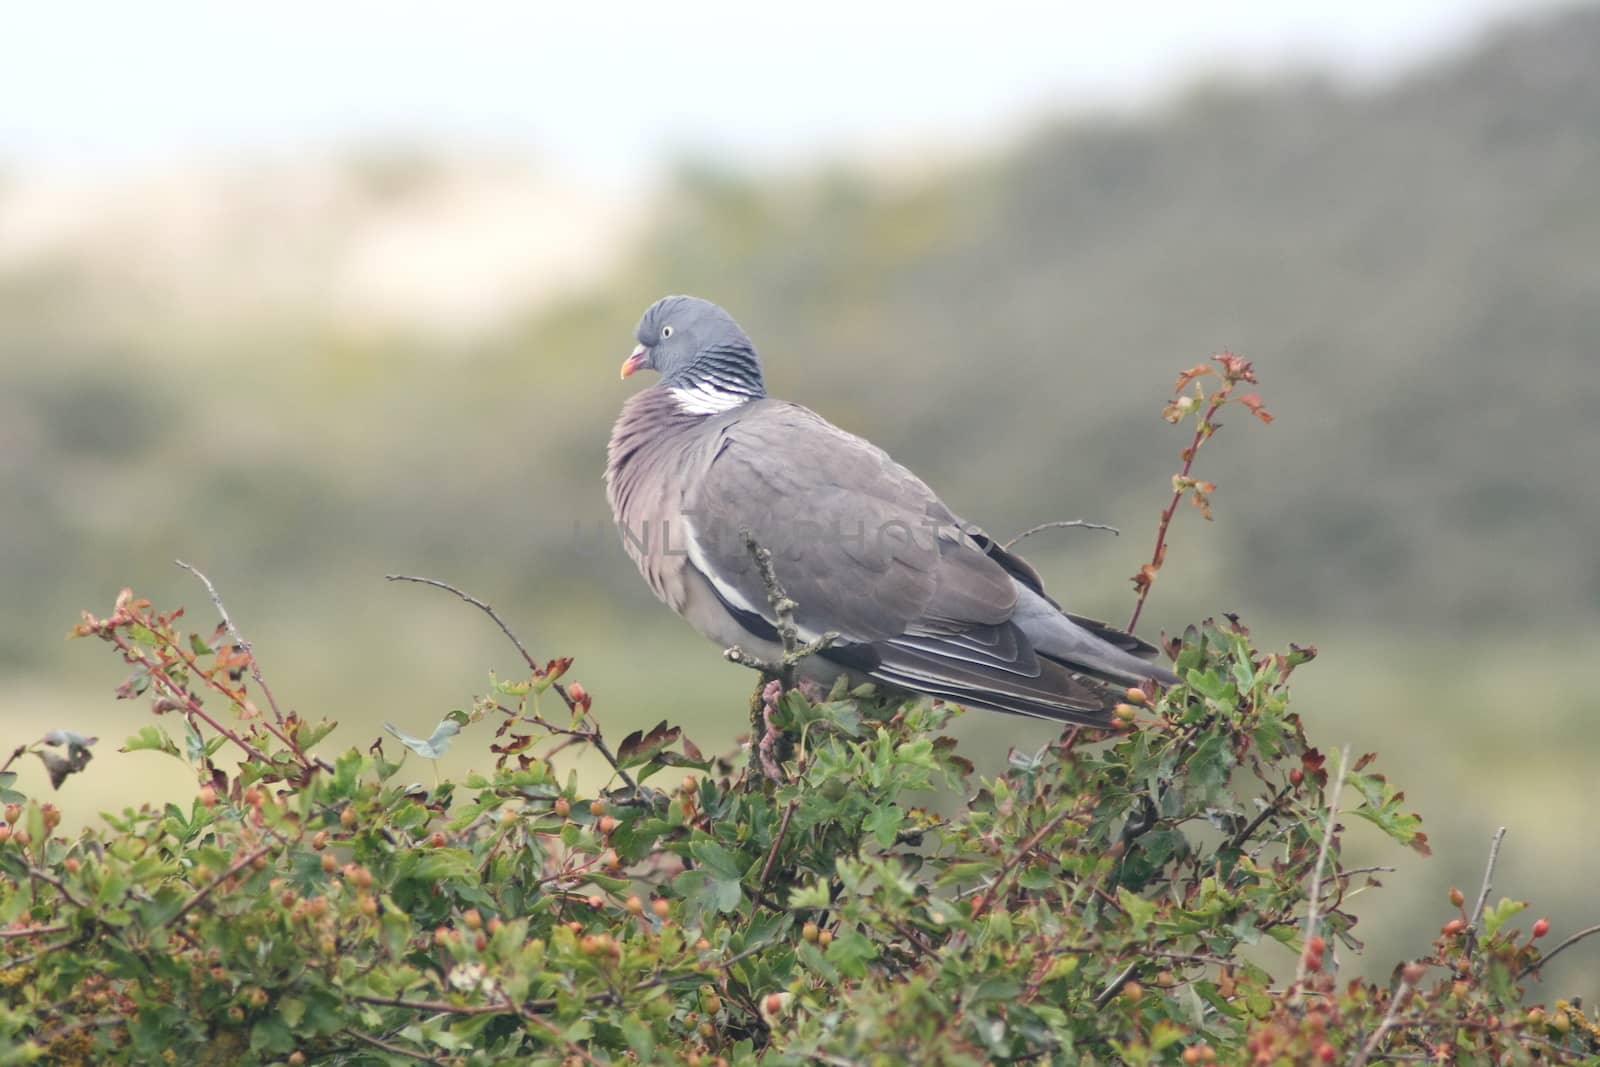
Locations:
(1316, 872)
(238, 638)
(394, 1050)
(19, 750)
(475, 602)
(206, 890)
(33, 931)
(556, 1032)
(61, 887)
(777, 840)
(1553, 953)
(1401, 992)
(1234, 371)
(783, 608)
(1483, 894)
(1062, 525)
(1115, 986)
(591, 736)
(1238, 839)
(436, 1006)
(1015, 859)
(1203, 431)
(45, 950)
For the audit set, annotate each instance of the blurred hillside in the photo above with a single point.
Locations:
(304, 376)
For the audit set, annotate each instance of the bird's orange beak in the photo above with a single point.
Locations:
(640, 356)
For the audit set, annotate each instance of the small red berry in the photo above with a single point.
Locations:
(1326, 1052)
(437, 840)
(1296, 776)
(208, 796)
(1541, 927)
(1457, 897)
(1453, 927)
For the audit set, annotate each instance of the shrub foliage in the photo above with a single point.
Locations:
(1171, 893)
(848, 893)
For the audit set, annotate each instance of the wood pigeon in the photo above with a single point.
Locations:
(921, 600)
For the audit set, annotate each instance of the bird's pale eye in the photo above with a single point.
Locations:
(666, 332)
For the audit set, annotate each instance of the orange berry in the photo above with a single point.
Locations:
(662, 907)
(634, 905)
(1453, 927)
(608, 824)
(809, 932)
(329, 864)
(1134, 992)
(597, 807)
(1457, 897)
(208, 796)
(563, 807)
(347, 818)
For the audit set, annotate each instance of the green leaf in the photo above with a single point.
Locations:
(1141, 912)
(1495, 917)
(152, 739)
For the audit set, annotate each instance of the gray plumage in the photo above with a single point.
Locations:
(921, 600)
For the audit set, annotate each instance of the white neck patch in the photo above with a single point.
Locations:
(705, 400)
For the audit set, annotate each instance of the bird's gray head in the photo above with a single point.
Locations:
(699, 351)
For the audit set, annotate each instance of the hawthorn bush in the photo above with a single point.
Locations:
(849, 892)
(1101, 901)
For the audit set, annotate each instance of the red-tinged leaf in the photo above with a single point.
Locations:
(1253, 402)
(517, 743)
(1365, 759)
(639, 748)
(1185, 377)
(1235, 368)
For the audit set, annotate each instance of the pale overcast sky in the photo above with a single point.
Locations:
(611, 89)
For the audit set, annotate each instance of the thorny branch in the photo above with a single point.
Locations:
(1401, 993)
(1064, 524)
(794, 650)
(282, 732)
(1553, 953)
(1316, 872)
(590, 736)
(1483, 894)
(1234, 371)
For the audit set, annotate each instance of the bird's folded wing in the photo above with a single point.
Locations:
(866, 550)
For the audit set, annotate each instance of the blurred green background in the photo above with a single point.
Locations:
(302, 368)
